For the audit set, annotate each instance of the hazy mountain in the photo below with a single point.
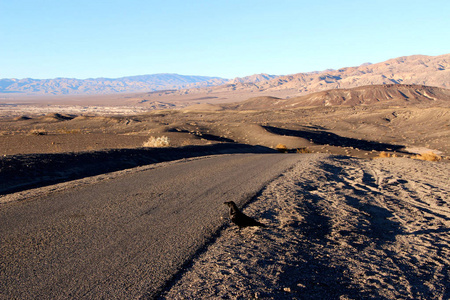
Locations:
(392, 94)
(253, 78)
(143, 83)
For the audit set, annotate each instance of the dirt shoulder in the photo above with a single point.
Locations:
(340, 228)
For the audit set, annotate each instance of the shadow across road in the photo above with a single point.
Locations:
(21, 172)
(322, 137)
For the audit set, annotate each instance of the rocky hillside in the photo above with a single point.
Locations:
(390, 94)
(144, 83)
(415, 69)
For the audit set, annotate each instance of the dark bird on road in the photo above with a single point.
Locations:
(239, 218)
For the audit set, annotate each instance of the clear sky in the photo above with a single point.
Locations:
(226, 38)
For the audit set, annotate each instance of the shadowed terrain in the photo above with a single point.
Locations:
(20, 172)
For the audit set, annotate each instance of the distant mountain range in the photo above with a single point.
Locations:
(415, 69)
(143, 83)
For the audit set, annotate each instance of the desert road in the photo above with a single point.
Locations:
(125, 237)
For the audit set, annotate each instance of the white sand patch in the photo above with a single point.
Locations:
(15, 110)
(340, 228)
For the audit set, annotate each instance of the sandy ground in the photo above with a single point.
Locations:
(342, 228)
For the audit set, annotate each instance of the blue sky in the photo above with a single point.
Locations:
(116, 38)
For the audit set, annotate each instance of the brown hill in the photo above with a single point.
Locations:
(415, 69)
(390, 94)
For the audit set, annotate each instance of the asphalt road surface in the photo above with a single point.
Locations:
(125, 237)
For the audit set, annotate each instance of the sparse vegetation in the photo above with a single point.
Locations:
(157, 142)
(384, 155)
(429, 156)
(303, 150)
(282, 148)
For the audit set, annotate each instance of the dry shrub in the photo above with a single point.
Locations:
(384, 154)
(303, 150)
(157, 142)
(281, 148)
(429, 156)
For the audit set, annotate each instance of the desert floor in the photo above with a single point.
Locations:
(354, 131)
(347, 227)
(342, 228)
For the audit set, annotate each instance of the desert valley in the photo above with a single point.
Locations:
(368, 216)
(398, 104)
